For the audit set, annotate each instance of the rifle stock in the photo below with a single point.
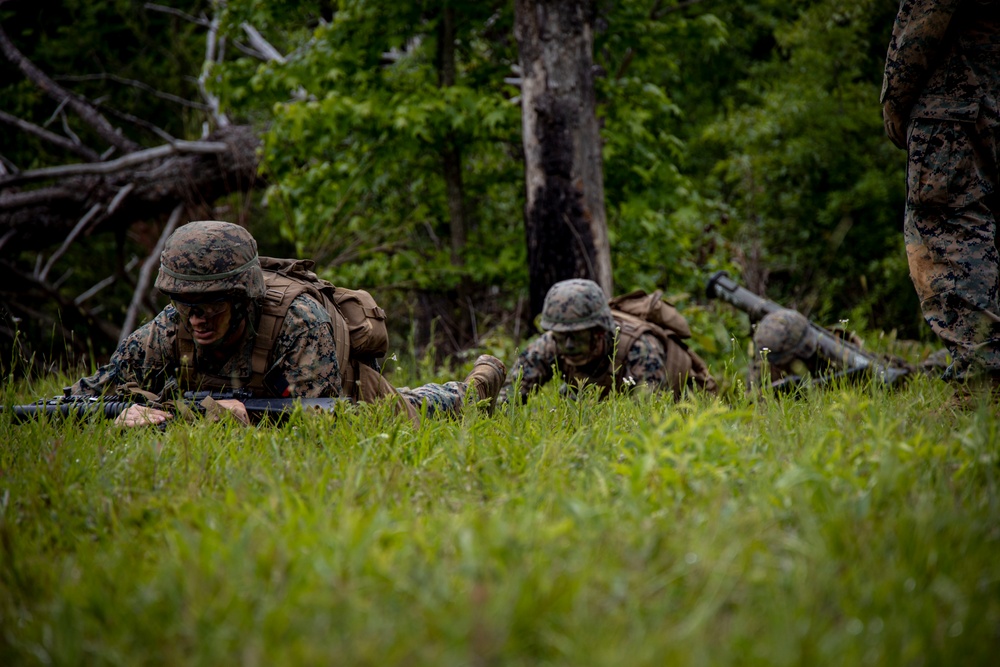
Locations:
(81, 407)
(850, 359)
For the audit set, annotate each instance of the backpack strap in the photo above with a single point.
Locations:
(682, 365)
(282, 290)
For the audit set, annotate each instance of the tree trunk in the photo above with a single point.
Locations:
(451, 154)
(565, 222)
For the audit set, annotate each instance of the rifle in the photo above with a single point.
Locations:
(109, 407)
(850, 360)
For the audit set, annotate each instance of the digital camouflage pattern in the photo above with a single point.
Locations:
(208, 256)
(447, 398)
(645, 367)
(484, 382)
(942, 80)
(574, 305)
(305, 359)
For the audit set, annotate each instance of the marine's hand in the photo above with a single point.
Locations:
(141, 415)
(236, 408)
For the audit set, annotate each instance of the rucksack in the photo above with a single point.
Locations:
(653, 309)
(359, 328)
(665, 321)
(358, 321)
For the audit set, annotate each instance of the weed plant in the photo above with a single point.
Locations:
(848, 526)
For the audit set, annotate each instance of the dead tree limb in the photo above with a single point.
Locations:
(51, 137)
(38, 217)
(83, 109)
(122, 163)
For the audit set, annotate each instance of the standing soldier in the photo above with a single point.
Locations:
(589, 343)
(232, 325)
(939, 96)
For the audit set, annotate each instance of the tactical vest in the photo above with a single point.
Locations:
(358, 330)
(683, 366)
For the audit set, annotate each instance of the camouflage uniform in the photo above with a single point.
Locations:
(208, 258)
(439, 398)
(534, 366)
(305, 366)
(305, 357)
(653, 359)
(942, 79)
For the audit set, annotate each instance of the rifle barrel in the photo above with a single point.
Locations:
(78, 407)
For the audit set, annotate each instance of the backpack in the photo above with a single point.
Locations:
(358, 321)
(653, 309)
(649, 312)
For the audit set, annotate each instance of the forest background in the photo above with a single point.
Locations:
(736, 135)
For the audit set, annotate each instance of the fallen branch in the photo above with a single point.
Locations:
(51, 137)
(80, 226)
(124, 162)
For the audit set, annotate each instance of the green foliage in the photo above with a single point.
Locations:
(356, 164)
(850, 526)
(800, 159)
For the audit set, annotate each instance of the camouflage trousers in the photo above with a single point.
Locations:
(950, 226)
(439, 398)
(955, 268)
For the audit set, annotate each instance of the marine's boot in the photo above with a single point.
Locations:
(486, 378)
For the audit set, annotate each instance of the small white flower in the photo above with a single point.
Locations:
(844, 322)
(630, 381)
(393, 357)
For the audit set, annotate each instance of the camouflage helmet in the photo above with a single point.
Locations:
(207, 256)
(786, 335)
(574, 305)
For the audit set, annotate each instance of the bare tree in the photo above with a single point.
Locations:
(566, 226)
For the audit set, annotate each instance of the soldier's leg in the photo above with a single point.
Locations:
(955, 269)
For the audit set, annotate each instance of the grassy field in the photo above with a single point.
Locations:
(847, 527)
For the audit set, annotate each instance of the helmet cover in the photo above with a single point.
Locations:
(206, 257)
(576, 304)
(786, 335)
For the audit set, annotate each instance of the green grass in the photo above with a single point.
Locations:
(846, 527)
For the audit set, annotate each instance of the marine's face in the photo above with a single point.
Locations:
(208, 320)
(577, 347)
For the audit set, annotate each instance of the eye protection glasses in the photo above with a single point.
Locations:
(573, 340)
(206, 310)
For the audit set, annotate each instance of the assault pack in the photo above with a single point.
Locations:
(637, 313)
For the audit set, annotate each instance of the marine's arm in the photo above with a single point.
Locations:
(533, 367)
(915, 46)
(143, 357)
(645, 365)
(305, 355)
